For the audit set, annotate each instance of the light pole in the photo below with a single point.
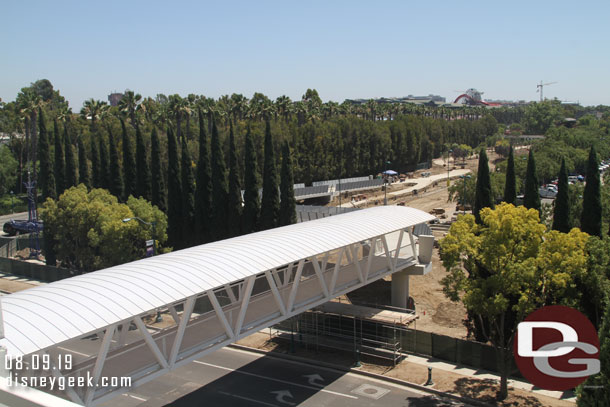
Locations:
(385, 187)
(12, 202)
(464, 178)
(448, 167)
(153, 225)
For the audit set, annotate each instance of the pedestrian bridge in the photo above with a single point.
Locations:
(102, 324)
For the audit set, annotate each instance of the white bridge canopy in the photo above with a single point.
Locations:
(301, 266)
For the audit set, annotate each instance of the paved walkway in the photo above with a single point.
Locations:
(10, 283)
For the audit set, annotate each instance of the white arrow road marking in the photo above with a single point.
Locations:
(281, 394)
(275, 380)
(312, 378)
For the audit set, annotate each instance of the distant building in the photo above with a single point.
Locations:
(115, 98)
(405, 99)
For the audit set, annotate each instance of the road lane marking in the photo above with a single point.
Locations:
(247, 399)
(73, 351)
(276, 380)
(135, 397)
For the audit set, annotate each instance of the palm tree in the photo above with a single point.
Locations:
(130, 104)
(93, 110)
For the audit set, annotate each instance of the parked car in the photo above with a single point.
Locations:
(13, 227)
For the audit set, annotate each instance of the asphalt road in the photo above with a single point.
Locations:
(5, 218)
(232, 377)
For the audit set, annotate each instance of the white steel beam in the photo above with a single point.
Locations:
(174, 313)
(295, 286)
(99, 363)
(413, 248)
(230, 292)
(244, 304)
(151, 342)
(186, 316)
(388, 255)
(355, 260)
(333, 280)
(316, 267)
(275, 292)
(57, 374)
(369, 260)
(221, 314)
(398, 246)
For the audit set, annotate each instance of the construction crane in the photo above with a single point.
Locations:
(540, 88)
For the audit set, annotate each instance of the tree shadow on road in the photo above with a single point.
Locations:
(485, 390)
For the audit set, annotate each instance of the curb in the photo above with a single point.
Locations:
(404, 383)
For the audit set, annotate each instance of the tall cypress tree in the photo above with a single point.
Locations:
(482, 197)
(105, 162)
(532, 194)
(591, 216)
(83, 165)
(188, 197)
(158, 181)
(203, 193)
(252, 203)
(115, 179)
(174, 191)
(95, 161)
(220, 188)
(288, 213)
(561, 211)
(270, 208)
(143, 177)
(235, 203)
(130, 176)
(510, 186)
(60, 171)
(71, 176)
(46, 177)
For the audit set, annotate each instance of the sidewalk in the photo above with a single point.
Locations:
(458, 380)
(10, 283)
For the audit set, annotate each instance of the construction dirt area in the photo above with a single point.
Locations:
(436, 313)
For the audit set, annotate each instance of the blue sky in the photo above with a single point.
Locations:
(344, 49)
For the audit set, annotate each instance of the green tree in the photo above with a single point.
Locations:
(158, 181)
(174, 190)
(88, 231)
(96, 170)
(251, 187)
(46, 178)
(143, 170)
(591, 216)
(71, 176)
(220, 188)
(595, 391)
(483, 196)
(270, 207)
(60, 161)
(130, 175)
(203, 192)
(188, 196)
(510, 186)
(561, 210)
(531, 199)
(115, 179)
(288, 214)
(8, 170)
(83, 165)
(105, 170)
(234, 212)
(514, 267)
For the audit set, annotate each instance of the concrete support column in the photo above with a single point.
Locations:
(400, 289)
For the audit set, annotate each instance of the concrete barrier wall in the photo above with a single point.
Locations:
(34, 271)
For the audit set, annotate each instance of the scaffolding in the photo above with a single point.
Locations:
(379, 338)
